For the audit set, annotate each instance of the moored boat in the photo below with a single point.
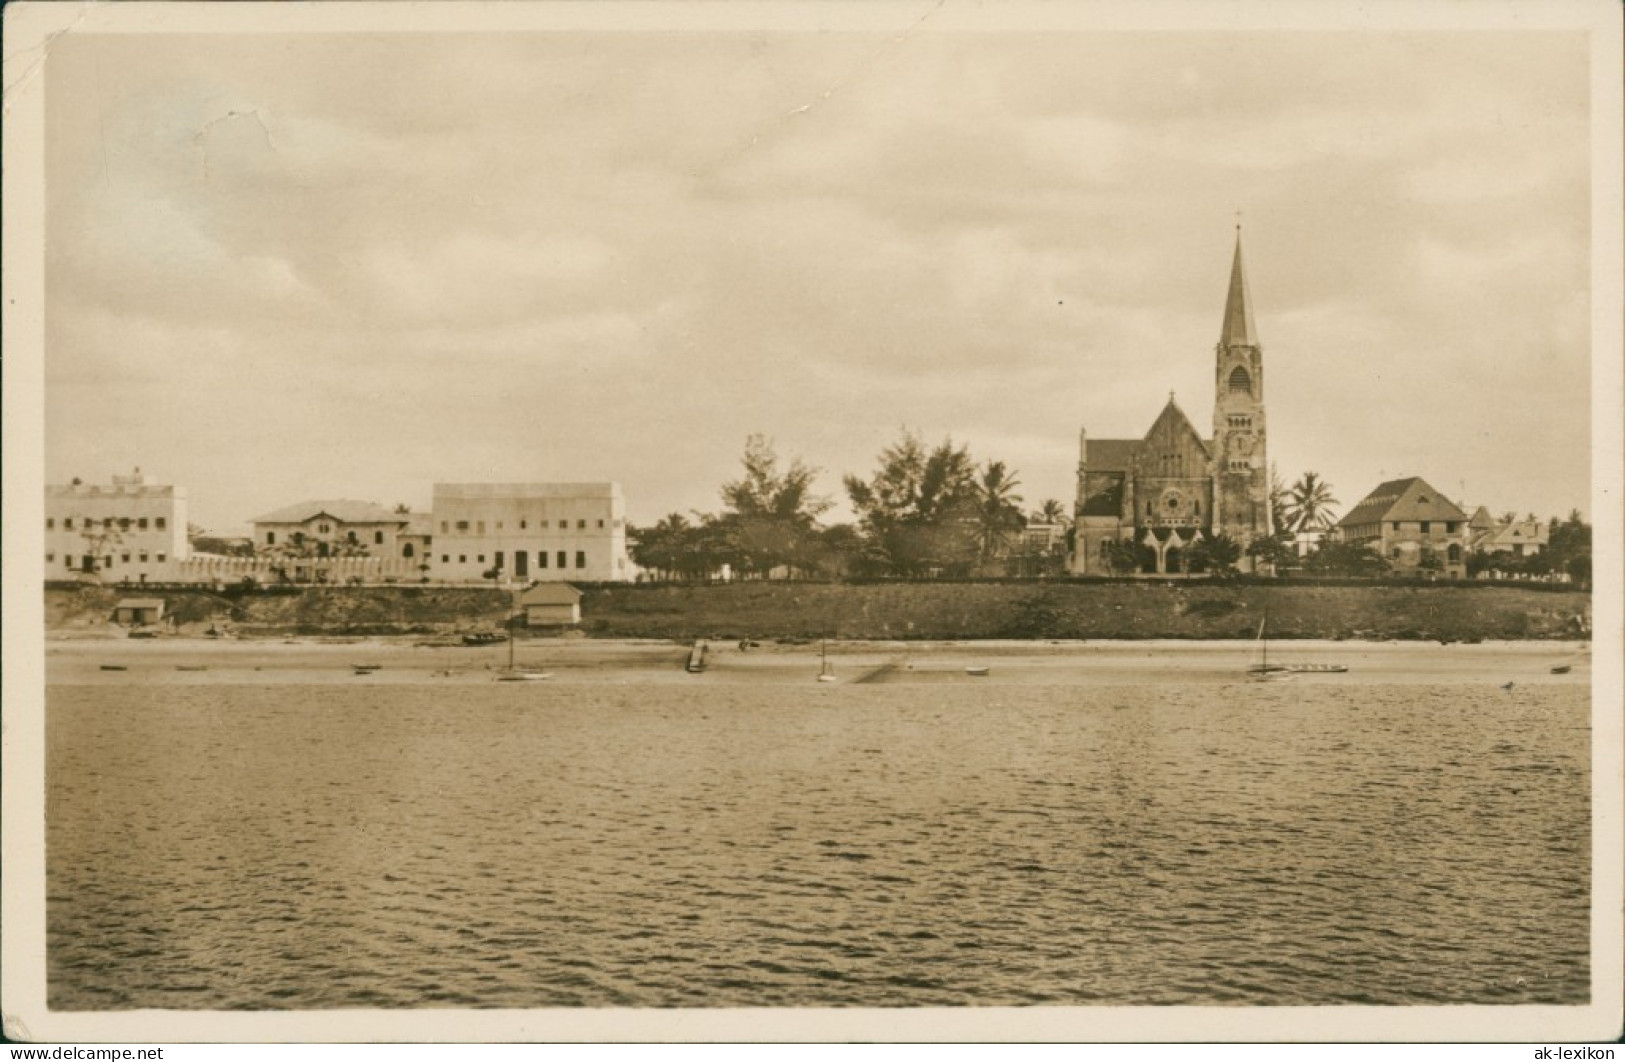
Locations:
(1263, 670)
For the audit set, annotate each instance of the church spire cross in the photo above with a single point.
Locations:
(1238, 307)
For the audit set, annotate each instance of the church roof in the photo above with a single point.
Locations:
(1110, 455)
(1402, 499)
(1238, 307)
(1177, 423)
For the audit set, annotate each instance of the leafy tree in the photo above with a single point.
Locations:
(920, 509)
(771, 515)
(1270, 551)
(99, 541)
(1124, 556)
(1308, 504)
(1568, 545)
(663, 548)
(1345, 558)
(1217, 554)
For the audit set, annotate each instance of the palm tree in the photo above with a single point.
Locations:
(1309, 503)
(1051, 512)
(998, 511)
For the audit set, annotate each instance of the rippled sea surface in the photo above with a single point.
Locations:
(538, 845)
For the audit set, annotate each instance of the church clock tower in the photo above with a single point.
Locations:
(1241, 500)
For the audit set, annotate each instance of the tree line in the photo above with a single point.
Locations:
(924, 511)
(935, 511)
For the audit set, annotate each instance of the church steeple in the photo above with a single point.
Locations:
(1240, 463)
(1238, 308)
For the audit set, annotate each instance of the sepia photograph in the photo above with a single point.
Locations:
(812, 521)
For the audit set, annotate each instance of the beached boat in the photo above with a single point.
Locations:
(523, 676)
(1317, 669)
(696, 658)
(485, 638)
(976, 671)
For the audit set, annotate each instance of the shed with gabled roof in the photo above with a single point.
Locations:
(551, 605)
(138, 611)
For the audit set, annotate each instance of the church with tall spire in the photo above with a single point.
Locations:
(1174, 488)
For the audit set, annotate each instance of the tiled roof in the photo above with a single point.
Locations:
(1521, 532)
(1402, 499)
(343, 510)
(1110, 455)
(551, 594)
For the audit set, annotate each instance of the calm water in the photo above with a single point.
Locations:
(553, 845)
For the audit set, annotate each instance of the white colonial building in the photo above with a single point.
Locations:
(130, 530)
(535, 531)
(336, 528)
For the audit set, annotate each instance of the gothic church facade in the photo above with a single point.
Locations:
(1174, 488)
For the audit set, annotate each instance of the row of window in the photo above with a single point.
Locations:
(1237, 420)
(89, 563)
(298, 537)
(478, 526)
(1453, 553)
(521, 559)
(1427, 526)
(1173, 505)
(121, 523)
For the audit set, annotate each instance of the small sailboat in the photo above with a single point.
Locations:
(514, 673)
(826, 673)
(1263, 670)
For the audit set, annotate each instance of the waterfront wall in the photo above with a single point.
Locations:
(897, 611)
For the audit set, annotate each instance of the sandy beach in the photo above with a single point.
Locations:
(332, 660)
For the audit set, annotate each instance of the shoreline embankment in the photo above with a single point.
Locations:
(910, 612)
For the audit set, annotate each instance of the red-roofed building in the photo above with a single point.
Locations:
(1407, 522)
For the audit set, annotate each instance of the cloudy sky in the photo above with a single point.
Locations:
(351, 265)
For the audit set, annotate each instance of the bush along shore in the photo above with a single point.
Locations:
(798, 611)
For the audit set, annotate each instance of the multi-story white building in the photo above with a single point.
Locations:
(333, 528)
(541, 531)
(133, 529)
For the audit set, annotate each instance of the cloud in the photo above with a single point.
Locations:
(575, 255)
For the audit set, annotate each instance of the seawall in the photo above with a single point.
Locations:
(787, 611)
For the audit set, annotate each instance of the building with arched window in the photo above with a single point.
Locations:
(1164, 493)
(1411, 526)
